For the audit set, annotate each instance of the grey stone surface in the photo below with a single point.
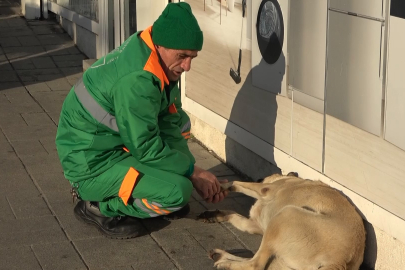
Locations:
(23, 51)
(19, 232)
(59, 84)
(37, 87)
(43, 62)
(9, 42)
(199, 263)
(28, 40)
(51, 102)
(111, 254)
(8, 76)
(61, 255)
(28, 206)
(179, 244)
(215, 236)
(18, 258)
(37, 119)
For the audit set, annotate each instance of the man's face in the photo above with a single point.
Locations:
(175, 62)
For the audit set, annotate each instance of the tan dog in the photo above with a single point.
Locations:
(305, 225)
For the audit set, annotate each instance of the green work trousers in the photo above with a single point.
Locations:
(133, 189)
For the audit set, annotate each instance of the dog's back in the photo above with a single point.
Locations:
(315, 225)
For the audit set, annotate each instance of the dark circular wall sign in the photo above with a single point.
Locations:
(270, 30)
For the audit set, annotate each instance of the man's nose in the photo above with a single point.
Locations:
(186, 64)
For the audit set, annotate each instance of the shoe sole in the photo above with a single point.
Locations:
(82, 218)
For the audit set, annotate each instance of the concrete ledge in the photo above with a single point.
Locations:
(87, 63)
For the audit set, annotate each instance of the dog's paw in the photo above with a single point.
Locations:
(292, 174)
(227, 186)
(212, 216)
(216, 254)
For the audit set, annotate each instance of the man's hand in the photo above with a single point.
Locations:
(207, 185)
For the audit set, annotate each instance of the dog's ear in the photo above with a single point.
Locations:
(292, 174)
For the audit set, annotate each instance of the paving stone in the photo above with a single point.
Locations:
(43, 62)
(37, 119)
(29, 133)
(18, 258)
(115, 253)
(28, 40)
(5, 66)
(154, 265)
(38, 22)
(10, 120)
(70, 63)
(53, 183)
(26, 107)
(54, 39)
(17, 182)
(28, 206)
(59, 84)
(179, 244)
(22, 64)
(29, 148)
(4, 145)
(214, 166)
(251, 241)
(54, 116)
(15, 31)
(10, 164)
(39, 75)
(60, 58)
(14, 233)
(16, 21)
(8, 76)
(75, 229)
(5, 210)
(49, 144)
(47, 29)
(18, 95)
(37, 87)
(9, 86)
(23, 51)
(58, 256)
(215, 236)
(73, 74)
(228, 204)
(34, 164)
(9, 42)
(199, 263)
(62, 49)
(51, 101)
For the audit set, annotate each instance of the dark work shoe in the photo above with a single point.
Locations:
(178, 214)
(113, 227)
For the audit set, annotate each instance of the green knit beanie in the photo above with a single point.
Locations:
(177, 28)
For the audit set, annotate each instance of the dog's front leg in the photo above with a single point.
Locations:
(255, 190)
(238, 221)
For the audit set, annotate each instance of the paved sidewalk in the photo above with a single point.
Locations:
(39, 63)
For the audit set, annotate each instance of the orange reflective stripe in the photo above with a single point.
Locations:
(185, 133)
(145, 202)
(187, 137)
(153, 65)
(125, 149)
(172, 108)
(128, 184)
(155, 207)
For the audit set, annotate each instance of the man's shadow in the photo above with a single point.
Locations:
(255, 111)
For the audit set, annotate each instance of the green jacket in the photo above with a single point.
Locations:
(141, 112)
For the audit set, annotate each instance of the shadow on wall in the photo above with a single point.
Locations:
(255, 111)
